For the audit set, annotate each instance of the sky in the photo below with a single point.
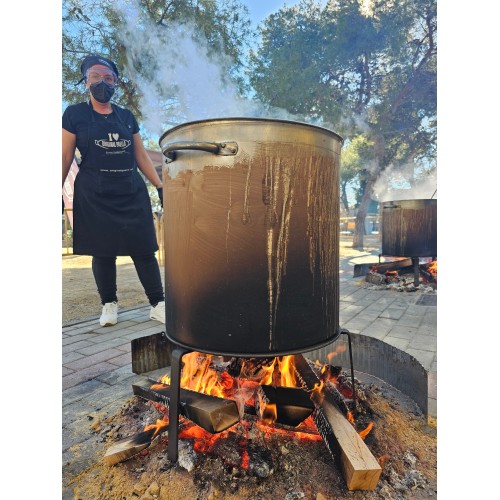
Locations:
(260, 9)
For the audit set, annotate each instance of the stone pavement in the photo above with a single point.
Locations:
(97, 370)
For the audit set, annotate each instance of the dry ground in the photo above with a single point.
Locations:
(80, 300)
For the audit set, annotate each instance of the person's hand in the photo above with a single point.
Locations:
(160, 195)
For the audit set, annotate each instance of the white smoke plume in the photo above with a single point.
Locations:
(186, 83)
(405, 182)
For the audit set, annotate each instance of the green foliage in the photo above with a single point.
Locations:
(96, 26)
(365, 73)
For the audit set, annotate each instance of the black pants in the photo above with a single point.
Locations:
(104, 269)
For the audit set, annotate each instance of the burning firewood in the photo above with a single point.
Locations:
(283, 405)
(131, 446)
(212, 413)
(360, 468)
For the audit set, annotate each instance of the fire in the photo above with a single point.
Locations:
(198, 376)
(340, 349)
(268, 413)
(433, 268)
(366, 431)
(159, 425)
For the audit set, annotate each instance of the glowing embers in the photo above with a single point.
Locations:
(213, 387)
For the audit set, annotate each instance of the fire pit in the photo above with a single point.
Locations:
(251, 274)
(258, 460)
(409, 229)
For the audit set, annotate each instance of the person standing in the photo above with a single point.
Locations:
(112, 213)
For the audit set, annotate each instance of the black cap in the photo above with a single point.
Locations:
(92, 60)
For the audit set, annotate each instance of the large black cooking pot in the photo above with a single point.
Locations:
(409, 228)
(251, 236)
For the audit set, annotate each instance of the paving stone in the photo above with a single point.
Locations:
(126, 347)
(77, 338)
(425, 358)
(71, 356)
(112, 334)
(113, 343)
(119, 326)
(79, 391)
(397, 342)
(427, 343)
(410, 320)
(143, 333)
(392, 312)
(93, 359)
(379, 328)
(75, 346)
(122, 375)
(403, 332)
(122, 360)
(66, 371)
(86, 374)
(432, 381)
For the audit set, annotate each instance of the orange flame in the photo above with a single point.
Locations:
(159, 425)
(339, 350)
(365, 432)
(203, 440)
(433, 268)
(197, 375)
(287, 371)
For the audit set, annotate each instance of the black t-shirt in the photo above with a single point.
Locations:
(76, 118)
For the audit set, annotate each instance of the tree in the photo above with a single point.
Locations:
(131, 33)
(364, 68)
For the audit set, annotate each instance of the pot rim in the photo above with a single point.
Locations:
(251, 119)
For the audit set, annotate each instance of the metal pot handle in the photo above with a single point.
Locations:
(218, 148)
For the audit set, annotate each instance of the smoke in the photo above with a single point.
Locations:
(186, 82)
(405, 183)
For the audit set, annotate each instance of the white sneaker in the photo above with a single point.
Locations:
(109, 316)
(158, 312)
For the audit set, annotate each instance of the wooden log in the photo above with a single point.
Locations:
(150, 353)
(393, 265)
(209, 412)
(128, 447)
(292, 405)
(360, 468)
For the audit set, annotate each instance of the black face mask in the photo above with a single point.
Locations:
(101, 92)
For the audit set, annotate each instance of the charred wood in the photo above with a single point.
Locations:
(209, 412)
(128, 447)
(360, 468)
(289, 405)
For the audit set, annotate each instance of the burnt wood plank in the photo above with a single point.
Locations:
(292, 404)
(128, 447)
(393, 265)
(360, 468)
(209, 412)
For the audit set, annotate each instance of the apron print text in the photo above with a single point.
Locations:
(113, 142)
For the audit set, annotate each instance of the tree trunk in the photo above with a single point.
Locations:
(359, 230)
(343, 197)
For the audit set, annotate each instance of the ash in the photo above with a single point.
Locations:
(252, 461)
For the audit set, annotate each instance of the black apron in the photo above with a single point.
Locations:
(111, 208)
